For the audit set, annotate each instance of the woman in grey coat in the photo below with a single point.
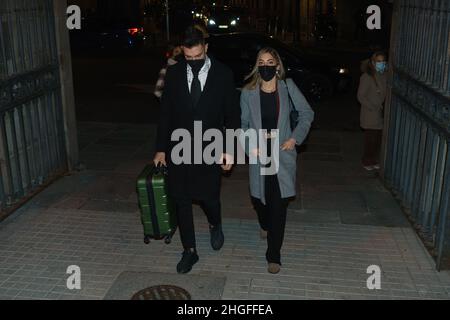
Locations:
(372, 95)
(266, 103)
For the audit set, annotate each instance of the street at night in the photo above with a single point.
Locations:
(97, 205)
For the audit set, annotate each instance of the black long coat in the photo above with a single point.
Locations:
(218, 108)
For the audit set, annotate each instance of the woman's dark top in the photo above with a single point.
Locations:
(269, 110)
(269, 115)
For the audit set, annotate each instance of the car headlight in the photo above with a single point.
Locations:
(212, 22)
(233, 23)
(343, 71)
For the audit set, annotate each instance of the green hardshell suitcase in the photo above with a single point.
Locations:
(157, 210)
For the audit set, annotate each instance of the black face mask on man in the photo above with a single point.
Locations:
(196, 65)
(267, 72)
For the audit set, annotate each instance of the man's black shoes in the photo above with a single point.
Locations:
(217, 237)
(190, 258)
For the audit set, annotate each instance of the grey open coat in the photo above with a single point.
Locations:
(251, 119)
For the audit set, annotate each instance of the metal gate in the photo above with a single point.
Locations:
(417, 166)
(32, 146)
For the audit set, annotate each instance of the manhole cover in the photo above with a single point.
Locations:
(162, 293)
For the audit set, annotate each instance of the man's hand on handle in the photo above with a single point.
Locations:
(160, 158)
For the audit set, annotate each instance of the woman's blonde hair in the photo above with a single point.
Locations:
(255, 77)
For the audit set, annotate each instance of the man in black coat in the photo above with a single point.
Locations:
(197, 89)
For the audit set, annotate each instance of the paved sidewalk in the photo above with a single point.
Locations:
(343, 222)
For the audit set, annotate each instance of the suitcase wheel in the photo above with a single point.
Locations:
(147, 240)
(168, 240)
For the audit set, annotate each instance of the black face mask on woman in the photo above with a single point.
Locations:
(267, 72)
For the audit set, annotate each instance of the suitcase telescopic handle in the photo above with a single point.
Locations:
(160, 169)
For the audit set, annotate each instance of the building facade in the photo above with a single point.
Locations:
(318, 20)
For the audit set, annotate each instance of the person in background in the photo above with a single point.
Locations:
(372, 96)
(203, 30)
(174, 55)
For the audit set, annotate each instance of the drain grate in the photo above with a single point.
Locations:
(162, 292)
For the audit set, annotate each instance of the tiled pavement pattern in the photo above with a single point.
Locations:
(343, 222)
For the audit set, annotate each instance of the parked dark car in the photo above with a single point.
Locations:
(112, 33)
(316, 78)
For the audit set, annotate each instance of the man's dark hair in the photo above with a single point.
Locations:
(193, 37)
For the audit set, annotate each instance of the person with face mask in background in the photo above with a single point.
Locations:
(197, 89)
(174, 56)
(267, 102)
(372, 96)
